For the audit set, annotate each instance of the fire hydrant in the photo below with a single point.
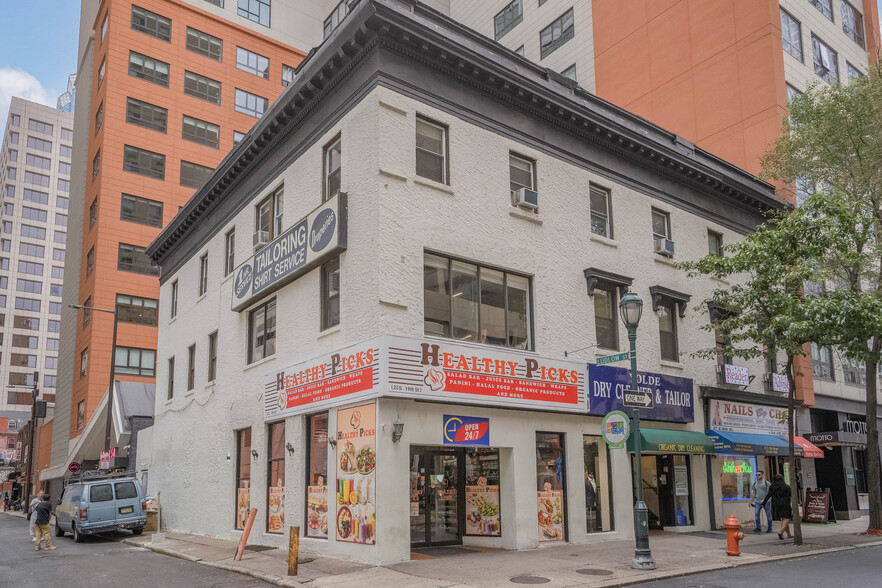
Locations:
(733, 536)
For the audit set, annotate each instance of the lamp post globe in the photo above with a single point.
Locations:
(631, 309)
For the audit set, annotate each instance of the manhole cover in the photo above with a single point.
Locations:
(529, 580)
(594, 572)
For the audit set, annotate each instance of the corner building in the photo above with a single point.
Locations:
(166, 88)
(382, 313)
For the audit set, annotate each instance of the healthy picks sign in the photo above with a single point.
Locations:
(312, 240)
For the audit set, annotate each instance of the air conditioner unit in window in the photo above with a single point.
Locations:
(526, 198)
(261, 239)
(664, 247)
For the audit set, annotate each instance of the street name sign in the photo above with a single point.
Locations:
(612, 358)
(637, 399)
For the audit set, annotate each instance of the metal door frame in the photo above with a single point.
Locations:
(427, 452)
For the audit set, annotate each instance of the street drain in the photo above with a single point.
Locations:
(529, 580)
(594, 572)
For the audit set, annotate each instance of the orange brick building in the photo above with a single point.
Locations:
(171, 87)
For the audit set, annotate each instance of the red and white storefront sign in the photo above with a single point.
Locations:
(426, 369)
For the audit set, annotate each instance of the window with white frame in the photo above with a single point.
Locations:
(262, 331)
(268, 218)
(252, 62)
(431, 150)
(229, 252)
(824, 6)
(521, 173)
(852, 23)
(332, 168)
(601, 211)
(556, 34)
(330, 302)
(791, 35)
(508, 18)
(203, 274)
(825, 61)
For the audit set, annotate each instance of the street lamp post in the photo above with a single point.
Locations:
(630, 309)
(109, 425)
(34, 394)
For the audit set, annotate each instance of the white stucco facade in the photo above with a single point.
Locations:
(393, 218)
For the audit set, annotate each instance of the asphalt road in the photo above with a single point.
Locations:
(854, 567)
(100, 560)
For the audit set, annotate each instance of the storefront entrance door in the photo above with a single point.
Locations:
(436, 496)
(666, 490)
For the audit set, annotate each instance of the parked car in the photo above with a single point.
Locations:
(98, 505)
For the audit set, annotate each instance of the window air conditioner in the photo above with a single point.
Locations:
(261, 239)
(664, 247)
(526, 198)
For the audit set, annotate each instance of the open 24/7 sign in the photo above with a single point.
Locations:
(463, 430)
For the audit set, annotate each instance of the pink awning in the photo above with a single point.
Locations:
(810, 450)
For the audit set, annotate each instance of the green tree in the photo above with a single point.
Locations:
(832, 144)
(764, 311)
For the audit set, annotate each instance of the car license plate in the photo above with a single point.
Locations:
(126, 510)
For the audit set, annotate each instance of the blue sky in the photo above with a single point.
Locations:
(39, 50)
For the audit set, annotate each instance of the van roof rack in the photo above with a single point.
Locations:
(96, 475)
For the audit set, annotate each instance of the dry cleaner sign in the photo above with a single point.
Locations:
(321, 234)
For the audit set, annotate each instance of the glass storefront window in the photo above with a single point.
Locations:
(317, 473)
(737, 475)
(597, 495)
(550, 486)
(483, 514)
(243, 476)
(275, 484)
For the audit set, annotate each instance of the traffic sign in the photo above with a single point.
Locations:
(613, 358)
(637, 399)
(73, 467)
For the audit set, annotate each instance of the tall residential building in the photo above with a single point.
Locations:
(35, 175)
(717, 73)
(165, 88)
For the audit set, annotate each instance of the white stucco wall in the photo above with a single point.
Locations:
(393, 218)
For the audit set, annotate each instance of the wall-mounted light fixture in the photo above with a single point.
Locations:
(332, 441)
(290, 448)
(254, 453)
(397, 430)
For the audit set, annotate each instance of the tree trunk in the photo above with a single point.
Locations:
(791, 459)
(874, 479)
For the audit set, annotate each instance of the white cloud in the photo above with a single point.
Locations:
(16, 82)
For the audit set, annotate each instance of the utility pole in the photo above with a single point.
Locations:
(35, 392)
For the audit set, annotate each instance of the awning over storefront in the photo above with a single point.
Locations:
(751, 444)
(665, 441)
(809, 449)
(837, 439)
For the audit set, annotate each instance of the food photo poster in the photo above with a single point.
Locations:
(356, 520)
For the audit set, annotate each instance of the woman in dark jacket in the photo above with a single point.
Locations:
(779, 493)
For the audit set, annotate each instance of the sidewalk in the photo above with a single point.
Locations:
(593, 565)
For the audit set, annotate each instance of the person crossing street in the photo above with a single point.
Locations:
(43, 514)
(31, 519)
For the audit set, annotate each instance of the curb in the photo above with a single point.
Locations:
(732, 564)
(227, 567)
(163, 551)
(652, 577)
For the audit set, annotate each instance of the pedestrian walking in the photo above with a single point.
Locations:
(32, 520)
(760, 489)
(43, 514)
(779, 492)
